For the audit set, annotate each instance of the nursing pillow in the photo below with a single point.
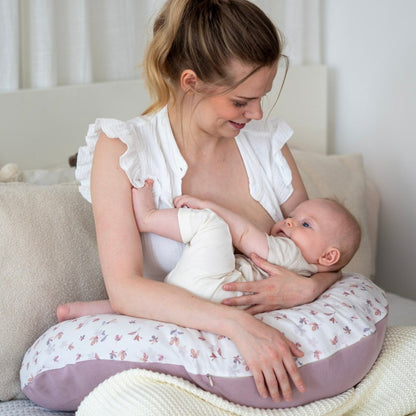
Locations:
(341, 335)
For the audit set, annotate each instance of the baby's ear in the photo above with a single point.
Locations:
(330, 257)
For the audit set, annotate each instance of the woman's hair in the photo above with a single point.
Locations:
(205, 36)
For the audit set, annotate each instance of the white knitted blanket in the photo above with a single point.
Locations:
(389, 389)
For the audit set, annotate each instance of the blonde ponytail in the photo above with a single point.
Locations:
(164, 33)
(205, 35)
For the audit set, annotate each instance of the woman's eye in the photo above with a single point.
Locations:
(239, 104)
(305, 224)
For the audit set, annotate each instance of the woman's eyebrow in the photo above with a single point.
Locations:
(246, 98)
(250, 98)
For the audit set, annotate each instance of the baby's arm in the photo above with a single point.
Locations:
(246, 237)
(163, 222)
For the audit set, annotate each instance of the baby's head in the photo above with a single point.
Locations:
(326, 233)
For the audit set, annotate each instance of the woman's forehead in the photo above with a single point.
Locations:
(257, 84)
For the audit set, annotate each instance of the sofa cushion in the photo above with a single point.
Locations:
(48, 256)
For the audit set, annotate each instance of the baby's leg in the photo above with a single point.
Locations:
(163, 222)
(207, 262)
(77, 309)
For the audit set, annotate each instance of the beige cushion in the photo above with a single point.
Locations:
(48, 256)
(341, 177)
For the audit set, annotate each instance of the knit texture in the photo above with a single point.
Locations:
(389, 390)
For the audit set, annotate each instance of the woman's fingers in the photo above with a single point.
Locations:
(255, 309)
(293, 369)
(286, 370)
(274, 381)
(265, 265)
(295, 376)
(245, 287)
(256, 295)
(270, 357)
(281, 289)
(284, 383)
(260, 382)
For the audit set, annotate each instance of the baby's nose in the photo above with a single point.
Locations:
(289, 222)
(292, 222)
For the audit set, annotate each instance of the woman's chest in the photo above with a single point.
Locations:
(226, 183)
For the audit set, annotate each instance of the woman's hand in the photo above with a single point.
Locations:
(269, 355)
(282, 289)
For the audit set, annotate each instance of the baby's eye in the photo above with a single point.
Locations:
(305, 224)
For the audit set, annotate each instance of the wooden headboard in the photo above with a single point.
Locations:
(42, 128)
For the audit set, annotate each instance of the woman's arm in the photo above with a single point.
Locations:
(247, 238)
(268, 354)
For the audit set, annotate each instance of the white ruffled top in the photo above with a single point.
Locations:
(152, 152)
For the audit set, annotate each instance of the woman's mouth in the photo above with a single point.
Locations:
(237, 126)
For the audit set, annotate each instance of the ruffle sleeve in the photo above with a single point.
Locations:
(130, 161)
(281, 173)
(270, 177)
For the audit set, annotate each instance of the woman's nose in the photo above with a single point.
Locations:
(254, 111)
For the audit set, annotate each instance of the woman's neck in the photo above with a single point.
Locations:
(193, 143)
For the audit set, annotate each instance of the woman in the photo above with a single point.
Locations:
(209, 74)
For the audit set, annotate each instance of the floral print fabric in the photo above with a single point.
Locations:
(341, 317)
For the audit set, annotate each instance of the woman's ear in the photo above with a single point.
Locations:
(189, 81)
(330, 257)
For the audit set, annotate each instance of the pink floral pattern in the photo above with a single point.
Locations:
(341, 317)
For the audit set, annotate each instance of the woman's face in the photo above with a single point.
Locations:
(225, 115)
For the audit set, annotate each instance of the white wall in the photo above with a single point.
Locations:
(370, 49)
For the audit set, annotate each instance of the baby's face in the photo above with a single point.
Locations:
(311, 226)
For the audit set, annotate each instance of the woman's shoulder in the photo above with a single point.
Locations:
(142, 124)
(144, 137)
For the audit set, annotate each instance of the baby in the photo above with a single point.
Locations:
(320, 235)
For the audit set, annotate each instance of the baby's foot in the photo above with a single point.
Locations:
(63, 312)
(70, 311)
(143, 204)
(77, 309)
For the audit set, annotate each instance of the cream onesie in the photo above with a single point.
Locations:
(208, 260)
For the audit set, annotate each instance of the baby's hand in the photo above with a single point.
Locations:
(189, 202)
